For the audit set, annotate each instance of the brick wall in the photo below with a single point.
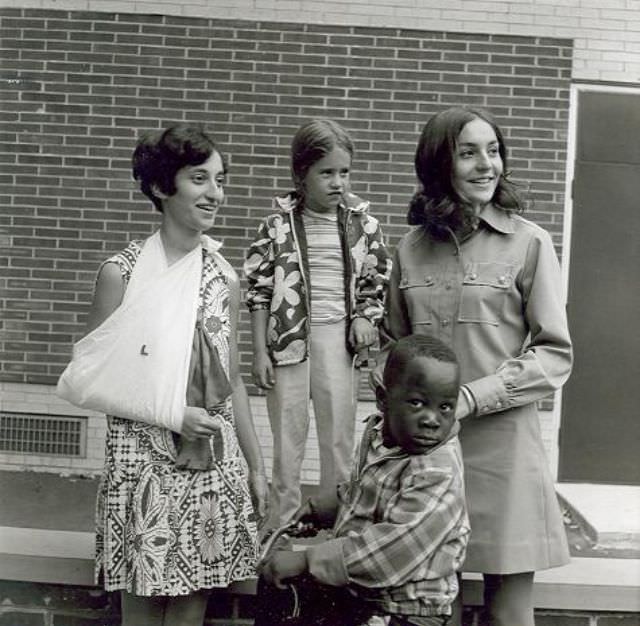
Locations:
(606, 34)
(79, 86)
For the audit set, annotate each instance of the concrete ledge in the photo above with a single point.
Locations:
(594, 584)
(609, 513)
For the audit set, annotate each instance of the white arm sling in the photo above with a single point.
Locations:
(136, 363)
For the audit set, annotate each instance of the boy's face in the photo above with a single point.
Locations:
(420, 406)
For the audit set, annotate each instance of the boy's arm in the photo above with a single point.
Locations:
(423, 513)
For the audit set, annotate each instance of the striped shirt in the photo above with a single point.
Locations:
(326, 267)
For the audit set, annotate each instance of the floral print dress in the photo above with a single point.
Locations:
(167, 531)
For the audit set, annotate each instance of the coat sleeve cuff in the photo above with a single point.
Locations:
(326, 563)
(489, 393)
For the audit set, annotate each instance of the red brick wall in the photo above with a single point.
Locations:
(79, 87)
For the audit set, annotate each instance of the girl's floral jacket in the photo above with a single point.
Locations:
(277, 271)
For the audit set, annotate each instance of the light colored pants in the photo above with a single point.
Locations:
(328, 379)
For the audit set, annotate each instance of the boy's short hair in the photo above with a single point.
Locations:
(408, 348)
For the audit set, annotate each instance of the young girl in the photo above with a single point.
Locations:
(486, 281)
(317, 274)
(166, 533)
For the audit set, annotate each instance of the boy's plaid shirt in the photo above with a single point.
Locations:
(402, 528)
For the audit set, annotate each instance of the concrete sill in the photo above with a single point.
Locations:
(66, 557)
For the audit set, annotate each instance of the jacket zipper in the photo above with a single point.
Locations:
(307, 294)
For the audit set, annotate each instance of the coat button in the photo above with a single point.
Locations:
(473, 276)
(445, 322)
(502, 280)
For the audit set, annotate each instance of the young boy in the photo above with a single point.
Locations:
(400, 526)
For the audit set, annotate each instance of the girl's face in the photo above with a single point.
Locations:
(477, 164)
(326, 181)
(198, 196)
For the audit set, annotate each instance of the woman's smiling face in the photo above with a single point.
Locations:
(198, 196)
(477, 164)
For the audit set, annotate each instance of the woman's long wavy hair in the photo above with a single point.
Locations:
(436, 205)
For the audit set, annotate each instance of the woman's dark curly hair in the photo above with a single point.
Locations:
(436, 205)
(159, 155)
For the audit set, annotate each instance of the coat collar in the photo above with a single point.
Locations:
(498, 220)
(210, 244)
(349, 202)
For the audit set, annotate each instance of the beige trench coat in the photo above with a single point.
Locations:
(496, 298)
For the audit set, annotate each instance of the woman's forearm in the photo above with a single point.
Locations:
(245, 429)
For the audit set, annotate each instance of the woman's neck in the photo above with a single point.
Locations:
(177, 244)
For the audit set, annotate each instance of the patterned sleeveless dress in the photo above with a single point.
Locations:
(167, 531)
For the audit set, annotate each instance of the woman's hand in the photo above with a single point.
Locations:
(263, 370)
(362, 333)
(197, 423)
(259, 488)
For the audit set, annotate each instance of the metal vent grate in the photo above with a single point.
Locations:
(43, 434)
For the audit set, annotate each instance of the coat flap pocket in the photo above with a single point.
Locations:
(412, 277)
(493, 274)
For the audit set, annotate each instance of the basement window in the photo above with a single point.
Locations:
(60, 435)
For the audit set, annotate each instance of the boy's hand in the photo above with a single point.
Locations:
(362, 333)
(263, 370)
(197, 423)
(284, 564)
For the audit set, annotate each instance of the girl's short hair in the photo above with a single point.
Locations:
(436, 205)
(159, 155)
(312, 142)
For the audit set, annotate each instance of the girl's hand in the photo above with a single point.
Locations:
(259, 488)
(197, 423)
(263, 370)
(362, 333)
